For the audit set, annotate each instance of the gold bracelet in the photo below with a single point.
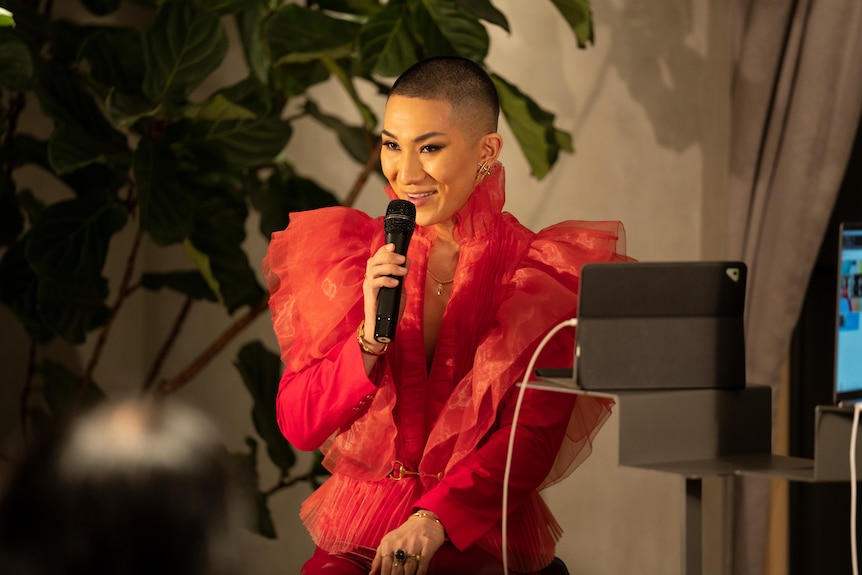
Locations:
(426, 515)
(360, 338)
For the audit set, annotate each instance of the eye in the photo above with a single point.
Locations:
(431, 148)
(392, 146)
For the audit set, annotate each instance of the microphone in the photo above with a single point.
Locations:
(398, 225)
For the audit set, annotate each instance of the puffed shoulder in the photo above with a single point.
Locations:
(560, 251)
(318, 260)
(574, 243)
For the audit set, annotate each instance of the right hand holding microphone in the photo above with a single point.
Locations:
(384, 276)
(383, 264)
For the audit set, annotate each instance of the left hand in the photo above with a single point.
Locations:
(417, 536)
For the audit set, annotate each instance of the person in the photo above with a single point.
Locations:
(416, 433)
(134, 487)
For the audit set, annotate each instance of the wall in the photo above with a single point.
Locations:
(648, 109)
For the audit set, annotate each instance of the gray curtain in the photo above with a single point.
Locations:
(797, 96)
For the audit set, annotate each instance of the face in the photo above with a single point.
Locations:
(429, 159)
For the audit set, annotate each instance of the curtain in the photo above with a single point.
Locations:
(796, 101)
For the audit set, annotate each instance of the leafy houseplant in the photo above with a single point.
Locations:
(133, 151)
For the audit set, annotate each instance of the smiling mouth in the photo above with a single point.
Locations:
(420, 196)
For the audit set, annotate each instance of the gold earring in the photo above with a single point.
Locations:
(483, 172)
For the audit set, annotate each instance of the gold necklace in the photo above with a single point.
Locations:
(440, 283)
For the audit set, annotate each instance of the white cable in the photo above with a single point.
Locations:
(857, 407)
(505, 543)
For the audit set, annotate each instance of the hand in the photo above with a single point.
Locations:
(384, 263)
(416, 536)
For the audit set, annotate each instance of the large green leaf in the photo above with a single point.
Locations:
(182, 46)
(216, 108)
(286, 192)
(97, 182)
(167, 206)
(72, 310)
(190, 283)
(579, 17)
(116, 59)
(243, 143)
(386, 44)
(66, 38)
(297, 34)
(260, 369)
(70, 240)
(295, 79)
(368, 117)
(65, 99)
(6, 18)
(253, 95)
(11, 218)
(219, 234)
(532, 127)
(63, 389)
(19, 288)
(358, 142)
(71, 147)
(259, 519)
(16, 64)
(444, 30)
(486, 11)
(250, 23)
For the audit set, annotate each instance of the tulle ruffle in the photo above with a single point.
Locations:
(346, 513)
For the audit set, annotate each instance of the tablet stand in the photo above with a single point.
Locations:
(702, 433)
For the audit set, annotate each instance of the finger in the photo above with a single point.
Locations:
(423, 563)
(379, 267)
(412, 565)
(381, 564)
(389, 269)
(388, 253)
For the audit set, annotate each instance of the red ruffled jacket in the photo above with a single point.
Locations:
(448, 426)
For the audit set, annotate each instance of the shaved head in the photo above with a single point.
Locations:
(463, 84)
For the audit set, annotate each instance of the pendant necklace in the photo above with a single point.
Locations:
(440, 283)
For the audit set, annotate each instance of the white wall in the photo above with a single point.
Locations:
(648, 109)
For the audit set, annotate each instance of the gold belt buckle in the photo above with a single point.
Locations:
(400, 471)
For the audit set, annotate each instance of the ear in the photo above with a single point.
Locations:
(490, 146)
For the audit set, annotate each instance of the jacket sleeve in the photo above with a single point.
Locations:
(325, 397)
(314, 273)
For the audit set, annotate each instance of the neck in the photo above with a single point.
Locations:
(445, 233)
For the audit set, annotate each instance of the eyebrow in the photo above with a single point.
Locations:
(417, 139)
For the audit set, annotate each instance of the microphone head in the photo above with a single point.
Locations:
(400, 217)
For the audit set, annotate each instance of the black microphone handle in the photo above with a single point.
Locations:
(389, 299)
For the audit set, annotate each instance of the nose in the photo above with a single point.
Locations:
(410, 169)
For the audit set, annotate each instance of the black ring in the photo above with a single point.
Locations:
(400, 557)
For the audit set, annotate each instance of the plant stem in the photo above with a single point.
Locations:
(122, 295)
(370, 164)
(171, 385)
(169, 343)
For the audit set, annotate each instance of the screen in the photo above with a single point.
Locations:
(848, 340)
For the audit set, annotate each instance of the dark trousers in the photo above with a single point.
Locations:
(447, 561)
